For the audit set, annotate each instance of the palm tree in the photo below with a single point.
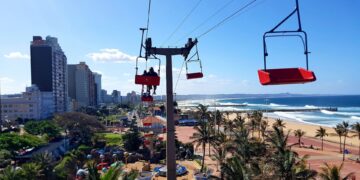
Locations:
(356, 128)
(200, 138)
(301, 171)
(203, 112)
(9, 173)
(321, 132)
(229, 126)
(253, 125)
(346, 127)
(283, 158)
(113, 173)
(218, 119)
(333, 172)
(220, 156)
(299, 134)
(45, 162)
(279, 123)
(263, 127)
(31, 171)
(235, 169)
(257, 116)
(339, 130)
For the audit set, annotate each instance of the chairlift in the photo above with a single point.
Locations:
(147, 79)
(194, 75)
(286, 75)
(147, 98)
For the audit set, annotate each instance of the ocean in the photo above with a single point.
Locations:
(348, 108)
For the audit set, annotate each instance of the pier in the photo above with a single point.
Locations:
(268, 110)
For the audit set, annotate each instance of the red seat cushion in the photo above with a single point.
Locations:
(147, 99)
(194, 75)
(147, 80)
(285, 76)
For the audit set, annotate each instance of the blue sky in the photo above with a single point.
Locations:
(105, 35)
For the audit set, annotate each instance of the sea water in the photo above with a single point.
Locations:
(348, 108)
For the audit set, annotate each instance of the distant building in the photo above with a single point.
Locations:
(132, 98)
(48, 69)
(116, 96)
(97, 79)
(32, 104)
(81, 82)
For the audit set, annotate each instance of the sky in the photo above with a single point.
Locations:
(105, 35)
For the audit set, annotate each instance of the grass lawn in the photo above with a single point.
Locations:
(112, 138)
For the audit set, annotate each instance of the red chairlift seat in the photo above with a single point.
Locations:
(286, 76)
(147, 80)
(194, 75)
(147, 99)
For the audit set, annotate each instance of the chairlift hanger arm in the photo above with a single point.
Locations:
(142, 40)
(297, 11)
(284, 33)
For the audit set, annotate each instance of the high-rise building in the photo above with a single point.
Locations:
(81, 85)
(97, 78)
(49, 70)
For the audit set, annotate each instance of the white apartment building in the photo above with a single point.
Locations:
(32, 104)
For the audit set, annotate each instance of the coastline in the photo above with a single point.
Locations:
(310, 130)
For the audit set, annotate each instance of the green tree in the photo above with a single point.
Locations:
(5, 158)
(43, 127)
(79, 126)
(279, 123)
(256, 116)
(9, 173)
(132, 140)
(321, 133)
(236, 169)
(202, 112)
(31, 171)
(66, 169)
(218, 119)
(329, 172)
(200, 137)
(339, 130)
(45, 160)
(345, 125)
(287, 164)
(14, 142)
(263, 128)
(299, 134)
(219, 152)
(356, 128)
(113, 173)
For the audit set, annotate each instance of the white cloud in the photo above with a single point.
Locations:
(99, 72)
(17, 55)
(11, 86)
(6, 80)
(111, 55)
